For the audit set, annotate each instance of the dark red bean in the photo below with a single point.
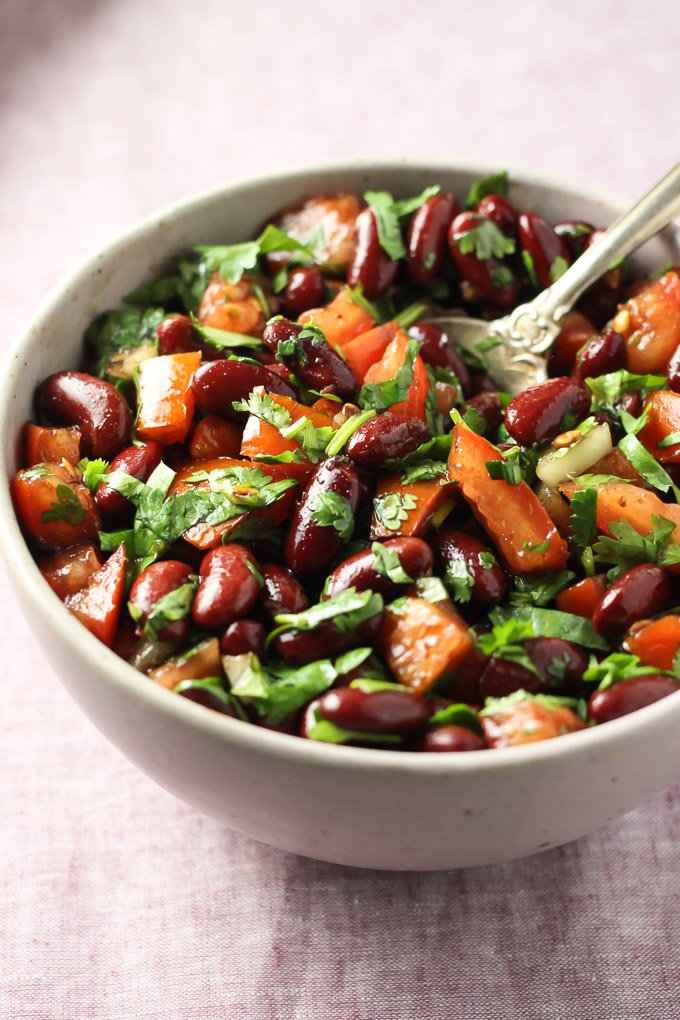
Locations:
(228, 587)
(243, 636)
(488, 407)
(541, 412)
(561, 663)
(299, 647)
(371, 268)
(217, 384)
(385, 437)
(630, 402)
(601, 300)
(500, 211)
(674, 371)
(482, 275)
(426, 237)
(481, 382)
(204, 696)
(637, 594)
(575, 234)
(451, 738)
(138, 461)
(544, 246)
(309, 545)
(375, 712)
(306, 288)
(178, 335)
(502, 677)
(359, 571)
(282, 593)
(94, 405)
(312, 357)
(436, 349)
(606, 352)
(155, 582)
(628, 696)
(456, 550)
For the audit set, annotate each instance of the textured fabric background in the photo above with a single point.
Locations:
(116, 901)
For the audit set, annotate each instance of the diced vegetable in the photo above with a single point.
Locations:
(369, 347)
(662, 411)
(340, 321)
(69, 571)
(410, 509)
(388, 366)
(54, 506)
(512, 721)
(421, 641)
(52, 445)
(582, 598)
(166, 400)
(650, 322)
(656, 642)
(99, 603)
(196, 664)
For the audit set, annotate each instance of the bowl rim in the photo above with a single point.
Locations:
(116, 672)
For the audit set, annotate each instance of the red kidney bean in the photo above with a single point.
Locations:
(306, 288)
(488, 406)
(313, 359)
(481, 382)
(674, 371)
(228, 587)
(359, 571)
(309, 545)
(243, 636)
(371, 268)
(480, 273)
(426, 237)
(204, 696)
(575, 234)
(500, 211)
(502, 677)
(385, 437)
(270, 362)
(94, 405)
(544, 246)
(606, 352)
(637, 594)
(560, 663)
(155, 582)
(539, 413)
(452, 738)
(178, 335)
(138, 461)
(299, 647)
(627, 696)
(453, 547)
(375, 712)
(219, 383)
(282, 593)
(630, 402)
(436, 349)
(600, 301)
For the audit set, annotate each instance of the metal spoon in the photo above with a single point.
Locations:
(526, 333)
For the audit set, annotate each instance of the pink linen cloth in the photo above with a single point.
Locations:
(117, 901)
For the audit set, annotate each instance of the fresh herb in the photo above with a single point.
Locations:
(328, 733)
(583, 520)
(392, 508)
(540, 589)
(505, 641)
(432, 589)
(231, 261)
(530, 267)
(331, 510)
(587, 481)
(458, 579)
(553, 623)
(492, 706)
(508, 469)
(93, 471)
(313, 440)
(214, 686)
(67, 510)
(627, 548)
(174, 606)
(670, 440)
(437, 448)
(369, 686)
(121, 330)
(389, 211)
(609, 388)
(558, 268)
(494, 184)
(262, 406)
(474, 420)
(223, 339)
(356, 296)
(485, 241)
(277, 691)
(617, 666)
(458, 714)
(37, 471)
(347, 610)
(346, 431)
(410, 315)
(501, 276)
(645, 464)
(487, 560)
(538, 547)
(382, 395)
(386, 563)
(425, 472)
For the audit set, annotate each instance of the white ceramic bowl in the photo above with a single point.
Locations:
(373, 808)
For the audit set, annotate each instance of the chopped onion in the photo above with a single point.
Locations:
(557, 465)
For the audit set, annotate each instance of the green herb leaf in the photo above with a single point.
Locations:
(383, 395)
(669, 440)
(437, 448)
(432, 589)
(392, 508)
(540, 589)
(617, 666)
(331, 510)
(425, 472)
(121, 330)
(214, 686)
(313, 440)
(174, 606)
(558, 268)
(643, 462)
(583, 518)
(627, 548)
(530, 267)
(387, 564)
(67, 510)
(262, 406)
(458, 714)
(328, 733)
(609, 388)
(485, 241)
(494, 184)
(458, 579)
(553, 623)
(388, 212)
(506, 470)
(410, 315)
(550, 701)
(93, 471)
(223, 339)
(347, 610)
(504, 641)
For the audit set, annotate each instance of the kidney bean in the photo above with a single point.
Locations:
(94, 405)
(606, 352)
(309, 545)
(243, 636)
(452, 738)
(228, 587)
(481, 382)
(630, 402)
(560, 663)
(640, 592)
(313, 359)
(215, 437)
(359, 571)
(371, 267)
(544, 246)
(155, 582)
(282, 593)
(502, 677)
(178, 335)
(204, 696)
(306, 288)
(385, 437)
(426, 237)
(628, 696)
(539, 413)
(375, 712)
(480, 273)
(575, 234)
(299, 647)
(138, 461)
(500, 211)
(218, 384)
(436, 349)
(453, 547)
(674, 371)
(488, 406)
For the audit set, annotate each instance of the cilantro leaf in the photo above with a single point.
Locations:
(392, 508)
(224, 339)
(627, 548)
(553, 623)
(389, 211)
(331, 510)
(328, 733)
(313, 439)
(458, 714)
(347, 610)
(432, 589)
(176, 605)
(669, 440)
(386, 563)
(540, 589)
(427, 471)
(67, 510)
(93, 471)
(382, 395)
(121, 330)
(504, 641)
(645, 463)
(494, 184)
(231, 261)
(278, 691)
(437, 448)
(458, 579)
(485, 241)
(607, 389)
(583, 519)
(262, 406)
(617, 666)
(507, 470)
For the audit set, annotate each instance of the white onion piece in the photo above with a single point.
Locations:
(557, 466)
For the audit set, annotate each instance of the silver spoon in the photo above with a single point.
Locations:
(526, 333)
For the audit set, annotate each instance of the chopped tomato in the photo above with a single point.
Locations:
(69, 571)
(388, 366)
(54, 506)
(416, 506)
(655, 642)
(260, 439)
(575, 331)
(369, 347)
(620, 502)
(232, 307)
(421, 641)
(526, 722)
(166, 400)
(582, 598)
(340, 321)
(215, 437)
(196, 664)
(663, 420)
(52, 445)
(512, 515)
(297, 410)
(328, 408)
(650, 322)
(98, 604)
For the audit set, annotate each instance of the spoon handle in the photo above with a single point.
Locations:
(654, 211)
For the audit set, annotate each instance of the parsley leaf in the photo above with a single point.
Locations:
(485, 241)
(347, 610)
(504, 640)
(277, 691)
(262, 406)
(121, 330)
(313, 440)
(425, 472)
(389, 211)
(386, 563)
(458, 714)
(550, 701)
(382, 395)
(432, 589)
(331, 510)
(540, 589)
(458, 579)
(224, 339)
(231, 261)
(627, 548)
(607, 389)
(617, 666)
(645, 463)
(176, 605)
(508, 469)
(583, 519)
(553, 623)
(494, 184)
(93, 471)
(392, 508)
(67, 510)
(669, 440)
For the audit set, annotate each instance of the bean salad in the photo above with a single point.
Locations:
(278, 489)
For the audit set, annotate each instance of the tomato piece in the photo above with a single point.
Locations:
(655, 642)
(215, 437)
(232, 307)
(575, 331)
(196, 664)
(55, 491)
(433, 502)
(340, 321)
(52, 445)
(327, 408)
(512, 515)
(69, 571)
(388, 366)
(260, 439)
(650, 322)
(621, 502)
(421, 641)
(166, 400)
(369, 347)
(525, 722)
(98, 604)
(582, 598)
(297, 410)
(663, 419)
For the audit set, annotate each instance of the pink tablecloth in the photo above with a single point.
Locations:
(118, 903)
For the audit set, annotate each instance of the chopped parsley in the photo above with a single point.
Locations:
(609, 388)
(346, 610)
(458, 714)
(458, 579)
(392, 508)
(121, 330)
(67, 510)
(382, 395)
(628, 548)
(224, 339)
(552, 623)
(425, 472)
(617, 666)
(388, 213)
(262, 406)
(386, 563)
(494, 184)
(540, 589)
(93, 471)
(331, 510)
(231, 261)
(583, 520)
(174, 606)
(645, 463)
(485, 241)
